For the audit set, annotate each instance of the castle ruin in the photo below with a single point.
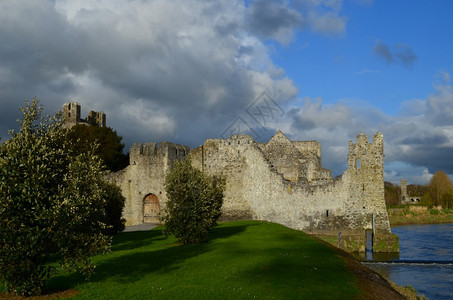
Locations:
(279, 181)
(71, 116)
(405, 198)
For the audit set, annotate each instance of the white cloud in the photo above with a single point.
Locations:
(420, 138)
(327, 23)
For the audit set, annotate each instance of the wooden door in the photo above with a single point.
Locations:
(151, 209)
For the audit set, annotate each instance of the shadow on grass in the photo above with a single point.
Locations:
(136, 264)
(312, 270)
(221, 232)
(136, 239)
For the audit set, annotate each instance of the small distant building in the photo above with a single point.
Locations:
(71, 116)
(405, 198)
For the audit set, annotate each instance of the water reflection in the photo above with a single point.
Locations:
(370, 256)
(433, 281)
(422, 243)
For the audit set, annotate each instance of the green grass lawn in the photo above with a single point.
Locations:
(246, 259)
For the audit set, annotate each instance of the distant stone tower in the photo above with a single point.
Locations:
(404, 197)
(71, 116)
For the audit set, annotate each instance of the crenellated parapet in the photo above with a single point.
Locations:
(365, 155)
(72, 116)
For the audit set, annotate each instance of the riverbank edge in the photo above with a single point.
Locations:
(414, 214)
(372, 284)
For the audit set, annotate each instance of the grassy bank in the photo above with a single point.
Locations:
(414, 214)
(248, 259)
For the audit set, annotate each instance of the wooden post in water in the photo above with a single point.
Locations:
(373, 225)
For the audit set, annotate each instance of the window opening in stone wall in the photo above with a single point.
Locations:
(327, 213)
(358, 163)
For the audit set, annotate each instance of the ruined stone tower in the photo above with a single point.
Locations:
(404, 196)
(365, 181)
(71, 116)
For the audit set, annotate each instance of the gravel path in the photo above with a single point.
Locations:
(140, 227)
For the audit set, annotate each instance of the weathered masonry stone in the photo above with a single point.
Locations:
(280, 181)
(144, 179)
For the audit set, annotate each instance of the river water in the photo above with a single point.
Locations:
(425, 261)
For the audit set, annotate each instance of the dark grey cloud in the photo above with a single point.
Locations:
(400, 53)
(323, 16)
(275, 20)
(405, 55)
(279, 19)
(430, 139)
(150, 65)
(383, 51)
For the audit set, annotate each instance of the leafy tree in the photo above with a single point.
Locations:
(416, 190)
(391, 193)
(107, 145)
(448, 200)
(439, 188)
(194, 202)
(427, 200)
(110, 148)
(114, 205)
(52, 204)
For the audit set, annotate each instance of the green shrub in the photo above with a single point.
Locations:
(52, 205)
(194, 202)
(114, 204)
(434, 211)
(427, 200)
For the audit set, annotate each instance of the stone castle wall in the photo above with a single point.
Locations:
(280, 181)
(277, 182)
(145, 175)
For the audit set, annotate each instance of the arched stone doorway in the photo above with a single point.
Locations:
(151, 209)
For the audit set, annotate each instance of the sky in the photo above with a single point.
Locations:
(184, 71)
